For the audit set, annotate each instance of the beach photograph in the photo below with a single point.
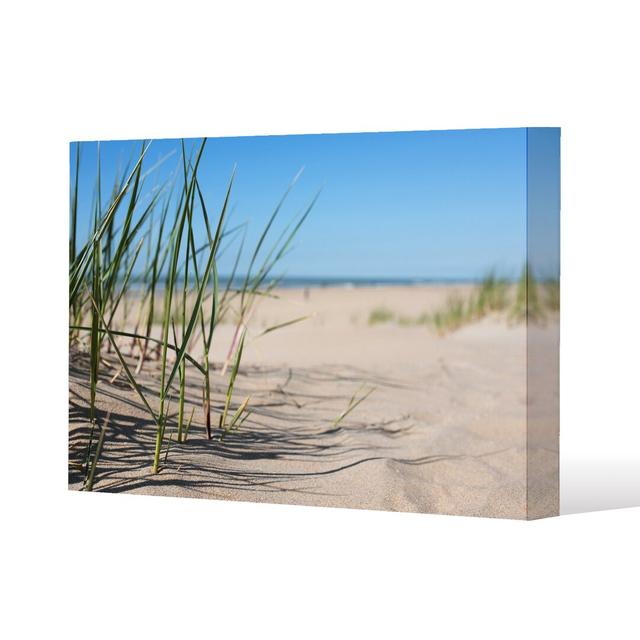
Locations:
(338, 361)
(342, 320)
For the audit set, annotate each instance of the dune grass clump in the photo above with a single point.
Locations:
(410, 321)
(493, 297)
(490, 296)
(527, 305)
(552, 294)
(380, 315)
(452, 316)
(179, 291)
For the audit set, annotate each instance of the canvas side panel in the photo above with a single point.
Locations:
(543, 321)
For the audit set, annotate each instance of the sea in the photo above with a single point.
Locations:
(318, 282)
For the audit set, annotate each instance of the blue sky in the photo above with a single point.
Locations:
(440, 204)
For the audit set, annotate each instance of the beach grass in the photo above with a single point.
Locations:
(380, 315)
(552, 294)
(528, 305)
(492, 296)
(357, 399)
(178, 291)
(456, 312)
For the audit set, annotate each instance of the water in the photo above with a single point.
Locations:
(318, 282)
(315, 282)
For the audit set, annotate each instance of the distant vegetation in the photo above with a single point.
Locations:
(380, 315)
(492, 296)
(552, 294)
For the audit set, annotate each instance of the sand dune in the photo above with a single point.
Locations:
(443, 431)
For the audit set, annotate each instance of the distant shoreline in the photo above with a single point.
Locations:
(317, 282)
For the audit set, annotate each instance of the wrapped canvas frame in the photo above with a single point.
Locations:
(543, 341)
(476, 448)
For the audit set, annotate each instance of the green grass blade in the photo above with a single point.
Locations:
(232, 381)
(353, 403)
(96, 456)
(275, 327)
(138, 336)
(123, 362)
(267, 227)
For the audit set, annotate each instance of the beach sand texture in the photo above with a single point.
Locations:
(443, 431)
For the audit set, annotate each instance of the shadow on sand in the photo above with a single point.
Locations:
(288, 441)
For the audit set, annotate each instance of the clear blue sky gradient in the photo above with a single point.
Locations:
(439, 204)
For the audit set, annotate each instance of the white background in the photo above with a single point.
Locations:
(107, 566)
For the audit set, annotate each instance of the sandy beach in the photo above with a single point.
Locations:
(443, 431)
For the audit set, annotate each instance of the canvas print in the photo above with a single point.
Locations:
(366, 320)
